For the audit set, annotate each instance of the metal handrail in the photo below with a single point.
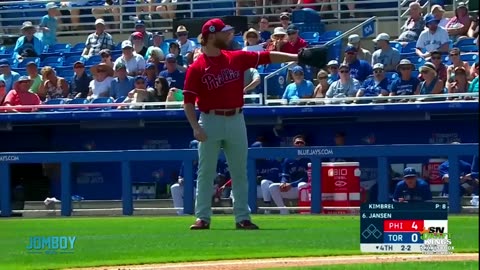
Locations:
(337, 101)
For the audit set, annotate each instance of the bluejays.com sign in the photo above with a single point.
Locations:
(51, 244)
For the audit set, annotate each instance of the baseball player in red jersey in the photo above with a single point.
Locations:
(215, 82)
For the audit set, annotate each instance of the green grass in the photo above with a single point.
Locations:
(136, 240)
(469, 265)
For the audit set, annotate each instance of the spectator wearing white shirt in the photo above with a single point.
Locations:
(438, 12)
(102, 80)
(186, 46)
(251, 39)
(433, 38)
(134, 62)
(386, 55)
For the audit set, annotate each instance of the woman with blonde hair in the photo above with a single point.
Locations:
(156, 57)
(431, 84)
(52, 86)
(322, 87)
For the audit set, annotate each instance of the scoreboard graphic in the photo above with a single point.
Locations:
(401, 227)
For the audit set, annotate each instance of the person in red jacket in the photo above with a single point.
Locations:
(295, 43)
(20, 95)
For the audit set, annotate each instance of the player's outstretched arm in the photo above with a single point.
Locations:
(280, 57)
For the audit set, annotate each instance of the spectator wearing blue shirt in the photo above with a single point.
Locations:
(299, 88)
(174, 77)
(332, 67)
(359, 69)
(49, 24)
(376, 85)
(406, 84)
(79, 85)
(122, 84)
(263, 26)
(28, 45)
(386, 55)
(412, 189)
(294, 178)
(468, 185)
(7, 75)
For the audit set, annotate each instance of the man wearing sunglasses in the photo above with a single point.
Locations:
(359, 69)
(294, 177)
(295, 42)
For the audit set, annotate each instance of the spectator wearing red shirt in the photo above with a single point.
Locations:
(295, 42)
(20, 95)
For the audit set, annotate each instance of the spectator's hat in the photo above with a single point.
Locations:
(428, 66)
(120, 65)
(31, 63)
(353, 40)
(284, 16)
(382, 36)
(297, 69)
(350, 49)
(193, 144)
(27, 25)
(461, 5)
(409, 172)
(102, 67)
(256, 145)
(181, 29)
(139, 78)
(405, 62)
(139, 23)
(460, 70)
(455, 49)
(137, 35)
(332, 63)
(158, 34)
(344, 65)
(378, 66)
(437, 8)
(100, 21)
(292, 29)
(78, 64)
(171, 58)
(51, 5)
(24, 79)
(435, 52)
(105, 52)
(250, 31)
(214, 26)
(4, 63)
(429, 18)
(126, 44)
(279, 31)
(150, 65)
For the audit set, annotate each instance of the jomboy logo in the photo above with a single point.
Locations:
(51, 244)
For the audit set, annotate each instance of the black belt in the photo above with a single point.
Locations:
(231, 112)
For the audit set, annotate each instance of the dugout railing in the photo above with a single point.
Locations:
(381, 152)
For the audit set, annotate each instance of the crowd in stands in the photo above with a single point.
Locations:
(432, 55)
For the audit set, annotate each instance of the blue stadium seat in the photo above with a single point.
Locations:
(396, 45)
(77, 101)
(226, 8)
(60, 48)
(93, 60)
(102, 100)
(21, 71)
(53, 61)
(416, 60)
(6, 50)
(464, 42)
(25, 61)
(34, 12)
(12, 15)
(239, 39)
(118, 47)
(391, 76)
(69, 61)
(329, 35)
(6, 56)
(67, 74)
(78, 47)
(410, 47)
(471, 58)
(120, 99)
(55, 101)
(415, 73)
(310, 36)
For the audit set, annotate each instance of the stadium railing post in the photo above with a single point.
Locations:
(188, 196)
(127, 198)
(316, 201)
(252, 185)
(66, 188)
(383, 178)
(5, 190)
(454, 184)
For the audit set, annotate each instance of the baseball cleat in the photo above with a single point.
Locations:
(246, 225)
(200, 225)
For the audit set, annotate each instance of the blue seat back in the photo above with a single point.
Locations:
(410, 47)
(60, 48)
(93, 60)
(78, 47)
(25, 61)
(52, 61)
(310, 36)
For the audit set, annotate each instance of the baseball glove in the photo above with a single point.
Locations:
(315, 56)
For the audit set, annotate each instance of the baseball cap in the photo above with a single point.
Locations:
(79, 63)
(158, 34)
(126, 44)
(214, 26)
(99, 21)
(4, 63)
(332, 63)
(170, 56)
(353, 39)
(139, 23)
(382, 36)
(120, 65)
(344, 65)
(31, 63)
(409, 172)
(292, 29)
(378, 66)
(105, 52)
(405, 62)
(193, 144)
(182, 29)
(51, 5)
(150, 65)
(139, 78)
(297, 69)
(461, 5)
(284, 15)
(138, 35)
(460, 70)
(23, 78)
(437, 8)
(429, 18)
(350, 49)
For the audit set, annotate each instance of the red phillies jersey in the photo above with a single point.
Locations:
(294, 47)
(217, 82)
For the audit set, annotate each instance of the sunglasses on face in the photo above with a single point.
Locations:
(77, 67)
(322, 78)
(252, 36)
(378, 71)
(454, 54)
(405, 68)
(140, 82)
(181, 34)
(344, 71)
(158, 82)
(424, 71)
(335, 68)
(299, 143)
(436, 57)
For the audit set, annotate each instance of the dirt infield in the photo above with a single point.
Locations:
(292, 262)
